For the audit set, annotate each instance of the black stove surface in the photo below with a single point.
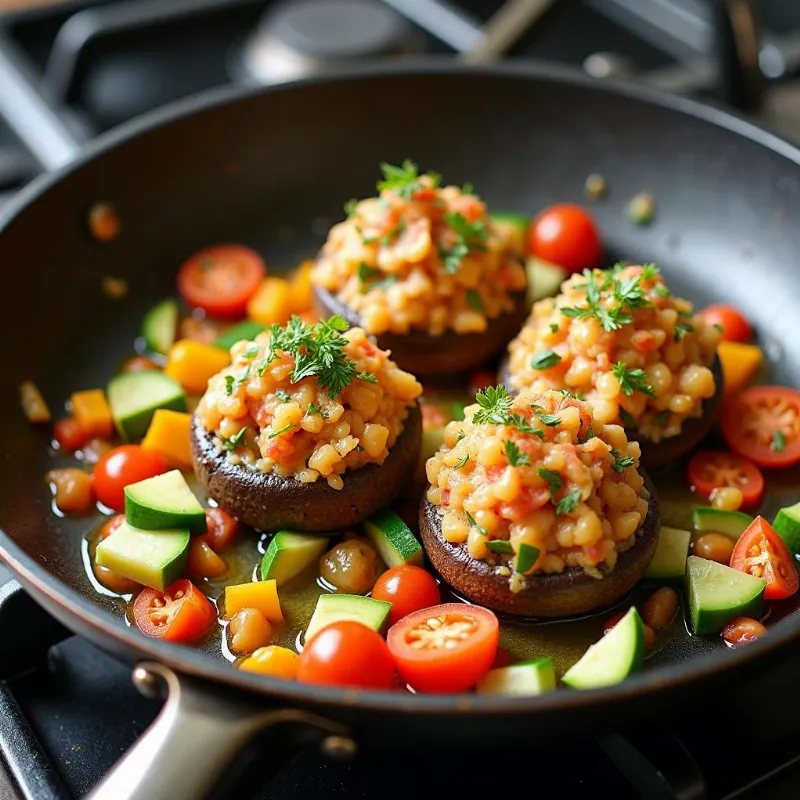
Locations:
(69, 717)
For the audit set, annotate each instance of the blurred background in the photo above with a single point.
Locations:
(70, 70)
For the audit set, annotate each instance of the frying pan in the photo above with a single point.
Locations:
(270, 168)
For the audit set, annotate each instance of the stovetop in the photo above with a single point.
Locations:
(76, 69)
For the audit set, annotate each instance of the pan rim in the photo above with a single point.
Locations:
(84, 613)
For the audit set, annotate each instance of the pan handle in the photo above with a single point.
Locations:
(196, 736)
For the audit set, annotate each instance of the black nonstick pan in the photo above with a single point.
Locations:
(270, 169)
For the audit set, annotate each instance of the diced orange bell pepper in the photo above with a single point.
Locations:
(275, 661)
(262, 595)
(192, 363)
(272, 302)
(169, 435)
(301, 288)
(92, 412)
(740, 363)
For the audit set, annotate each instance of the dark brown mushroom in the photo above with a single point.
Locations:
(557, 595)
(269, 502)
(423, 354)
(656, 455)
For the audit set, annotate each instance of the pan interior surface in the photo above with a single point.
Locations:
(272, 169)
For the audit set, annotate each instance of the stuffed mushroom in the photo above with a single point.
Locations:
(426, 270)
(311, 427)
(536, 508)
(636, 353)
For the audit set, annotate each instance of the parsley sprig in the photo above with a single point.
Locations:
(495, 409)
(404, 180)
(231, 444)
(621, 462)
(632, 379)
(516, 458)
(470, 237)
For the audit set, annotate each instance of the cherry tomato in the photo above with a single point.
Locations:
(566, 235)
(763, 424)
(712, 469)
(121, 466)
(347, 653)
(138, 364)
(223, 529)
(221, 279)
(761, 552)
(179, 613)
(407, 588)
(69, 434)
(734, 324)
(110, 527)
(447, 648)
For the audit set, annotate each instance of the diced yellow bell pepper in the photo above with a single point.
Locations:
(92, 412)
(740, 363)
(277, 662)
(300, 281)
(262, 595)
(272, 302)
(192, 363)
(168, 434)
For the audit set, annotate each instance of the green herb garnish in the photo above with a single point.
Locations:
(404, 180)
(553, 329)
(632, 379)
(527, 556)
(553, 480)
(515, 457)
(500, 546)
(545, 359)
(467, 188)
(368, 377)
(232, 384)
(551, 420)
(778, 441)
(366, 273)
(284, 429)
(283, 396)
(470, 237)
(495, 404)
(627, 420)
(661, 290)
(681, 329)
(231, 444)
(350, 207)
(650, 271)
(621, 462)
(460, 436)
(583, 438)
(568, 503)
(481, 530)
(313, 408)
(662, 417)
(462, 463)
(252, 350)
(475, 300)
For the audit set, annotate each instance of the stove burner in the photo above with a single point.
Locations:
(301, 37)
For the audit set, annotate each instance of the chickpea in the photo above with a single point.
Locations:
(715, 547)
(742, 630)
(72, 489)
(350, 566)
(250, 629)
(728, 497)
(660, 608)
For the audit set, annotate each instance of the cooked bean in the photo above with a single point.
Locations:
(250, 629)
(350, 566)
(728, 497)
(660, 608)
(742, 630)
(73, 489)
(714, 547)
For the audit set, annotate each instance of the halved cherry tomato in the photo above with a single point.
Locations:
(223, 529)
(734, 324)
(407, 588)
(712, 469)
(762, 553)
(221, 279)
(447, 648)
(121, 466)
(69, 434)
(110, 527)
(179, 613)
(566, 235)
(347, 653)
(763, 424)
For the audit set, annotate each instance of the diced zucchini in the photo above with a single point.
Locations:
(669, 562)
(609, 661)
(525, 679)
(244, 330)
(160, 326)
(718, 594)
(544, 279)
(289, 553)
(340, 607)
(136, 396)
(718, 520)
(787, 524)
(164, 501)
(432, 440)
(152, 558)
(393, 539)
